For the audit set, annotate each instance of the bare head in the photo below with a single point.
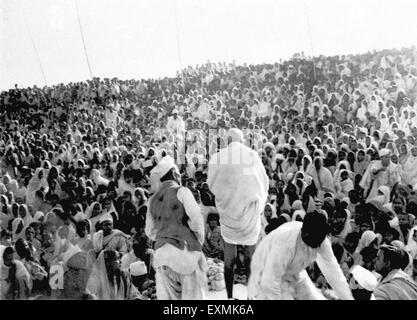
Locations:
(234, 135)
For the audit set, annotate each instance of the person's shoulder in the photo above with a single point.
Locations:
(384, 291)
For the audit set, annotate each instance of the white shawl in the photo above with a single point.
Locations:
(239, 182)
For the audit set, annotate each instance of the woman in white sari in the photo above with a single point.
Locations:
(98, 179)
(409, 168)
(109, 282)
(322, 177)
(37, 182)
(93, 214)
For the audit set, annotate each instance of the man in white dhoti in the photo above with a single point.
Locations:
(175, 223)
(279, 262)
(239, 183)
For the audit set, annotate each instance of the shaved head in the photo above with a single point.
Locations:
(234, 135)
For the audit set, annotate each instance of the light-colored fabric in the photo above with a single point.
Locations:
(397, 285)
(323, 179)
(366, 239)
(411, 246)
(98, 179)
(193, 211)
(171, 285)
(279, 262)
(128, 259)
(34, 185)
(389, 177)
(239, 182)
(409, 171)
(100, 285)
(117, 241)
(364, 277)
(181, 261)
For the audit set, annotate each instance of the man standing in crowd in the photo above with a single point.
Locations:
(380, 173)
(175, 223)
(240, 185)
(175, 123)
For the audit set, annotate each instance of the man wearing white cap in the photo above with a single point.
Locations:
(362, 282)
(380, 173)
(175, 123)
(175, 223)
(109, 238)
(239, 183)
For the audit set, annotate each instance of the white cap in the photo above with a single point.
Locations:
(106, 217)
(39, 215)
(138, 268)
(79, 217)
(163, 166)
(280, 156)
(364, 278)
(384, 152)
(72, 250)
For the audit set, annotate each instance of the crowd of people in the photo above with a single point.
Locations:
(110, 189)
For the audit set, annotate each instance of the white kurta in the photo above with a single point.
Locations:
(279, 262)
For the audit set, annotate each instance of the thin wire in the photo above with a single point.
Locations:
(82, 37)
(310, 36)
(34, 47)
(178, 36)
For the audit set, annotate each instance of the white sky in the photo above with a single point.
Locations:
(138, 39)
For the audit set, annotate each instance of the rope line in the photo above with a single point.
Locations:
(34, 47)
(82, 37)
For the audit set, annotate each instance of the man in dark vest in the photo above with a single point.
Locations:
(175, 223)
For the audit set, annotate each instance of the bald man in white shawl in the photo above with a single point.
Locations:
(239, 182)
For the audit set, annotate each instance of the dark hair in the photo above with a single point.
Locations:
(213, 217)
(394, 232)
(405, 259)
(4, 234)
(169, 175)
(110, 254)
(368, 254)
(394, 256)
(274, 223)
(7, 251)
(81, 225)
(316, 226)
(20, 249)
(40, 194)
(338, 251)
(352, 237)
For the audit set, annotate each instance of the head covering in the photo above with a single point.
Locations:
(384, 152)
(72, 250)
(106, 217)
(366, 239)
(39, 215)
(364, 278)
(138, 268)
(298, 213)
(163, 166)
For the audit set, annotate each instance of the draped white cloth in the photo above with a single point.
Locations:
(239, 182)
